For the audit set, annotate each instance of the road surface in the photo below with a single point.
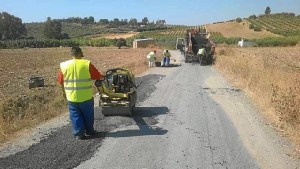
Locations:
(187, 116)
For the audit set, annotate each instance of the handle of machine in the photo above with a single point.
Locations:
(98, 83)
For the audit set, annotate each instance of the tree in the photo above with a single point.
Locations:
(116, 22)
(252, 17)
(104, 21)
(239, 20)
(11, 27)
(160, 22)
(133, 22)
(145, 21)
(85, 21)
(268, 10)
(257, 29)
(121, 42)
(52, 29)
(91, 20)
(251, 26)
(123, 22)
(64, 36)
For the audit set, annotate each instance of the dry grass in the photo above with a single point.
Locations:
(234, 29)
(271, 76)
(22, 108)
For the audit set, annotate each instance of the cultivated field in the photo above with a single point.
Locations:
(21, 107)
(271, 77)
(114, 35)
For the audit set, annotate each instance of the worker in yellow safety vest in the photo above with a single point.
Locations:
(201, 51)
(76, 77)
(151, 58)
(166, 59)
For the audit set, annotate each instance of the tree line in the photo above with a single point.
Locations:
(12, 28)
(113, 22)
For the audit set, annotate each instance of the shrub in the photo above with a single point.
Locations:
(252, 17)
(251, 26)
(121, 42)
(257, 29)
(239, 20)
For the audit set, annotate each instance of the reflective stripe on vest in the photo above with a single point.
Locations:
(77, 80)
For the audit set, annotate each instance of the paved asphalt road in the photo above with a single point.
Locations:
(187, 116)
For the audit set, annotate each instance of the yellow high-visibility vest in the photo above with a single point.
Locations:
(167, 54)
(77, 80)
(151, 56)
(201, 51)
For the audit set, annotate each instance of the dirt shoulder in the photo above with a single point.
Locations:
(270, 77)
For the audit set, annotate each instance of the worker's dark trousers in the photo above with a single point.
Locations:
(82, 117)
(167, 63)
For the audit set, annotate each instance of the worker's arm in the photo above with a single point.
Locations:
(95, 74)
(60, 80)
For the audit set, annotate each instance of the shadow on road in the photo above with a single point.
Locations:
(143, 117)
(171, 65)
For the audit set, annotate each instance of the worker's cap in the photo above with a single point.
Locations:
(76, 50)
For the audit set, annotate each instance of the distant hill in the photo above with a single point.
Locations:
(74, 30)
(262, 26)
(266, 30)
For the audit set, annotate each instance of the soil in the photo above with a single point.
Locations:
(17, 65)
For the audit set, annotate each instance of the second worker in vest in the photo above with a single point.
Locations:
(166, 60)
(76, 77)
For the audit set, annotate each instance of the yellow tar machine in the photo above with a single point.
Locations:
(117, 92)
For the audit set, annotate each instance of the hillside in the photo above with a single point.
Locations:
(273, 25)
(286, 24)
(73, 29)
(113, 35)
(235, 29)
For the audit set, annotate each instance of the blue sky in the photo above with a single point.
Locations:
(183, 12)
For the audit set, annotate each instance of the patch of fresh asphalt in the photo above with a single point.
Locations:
(58, 148)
